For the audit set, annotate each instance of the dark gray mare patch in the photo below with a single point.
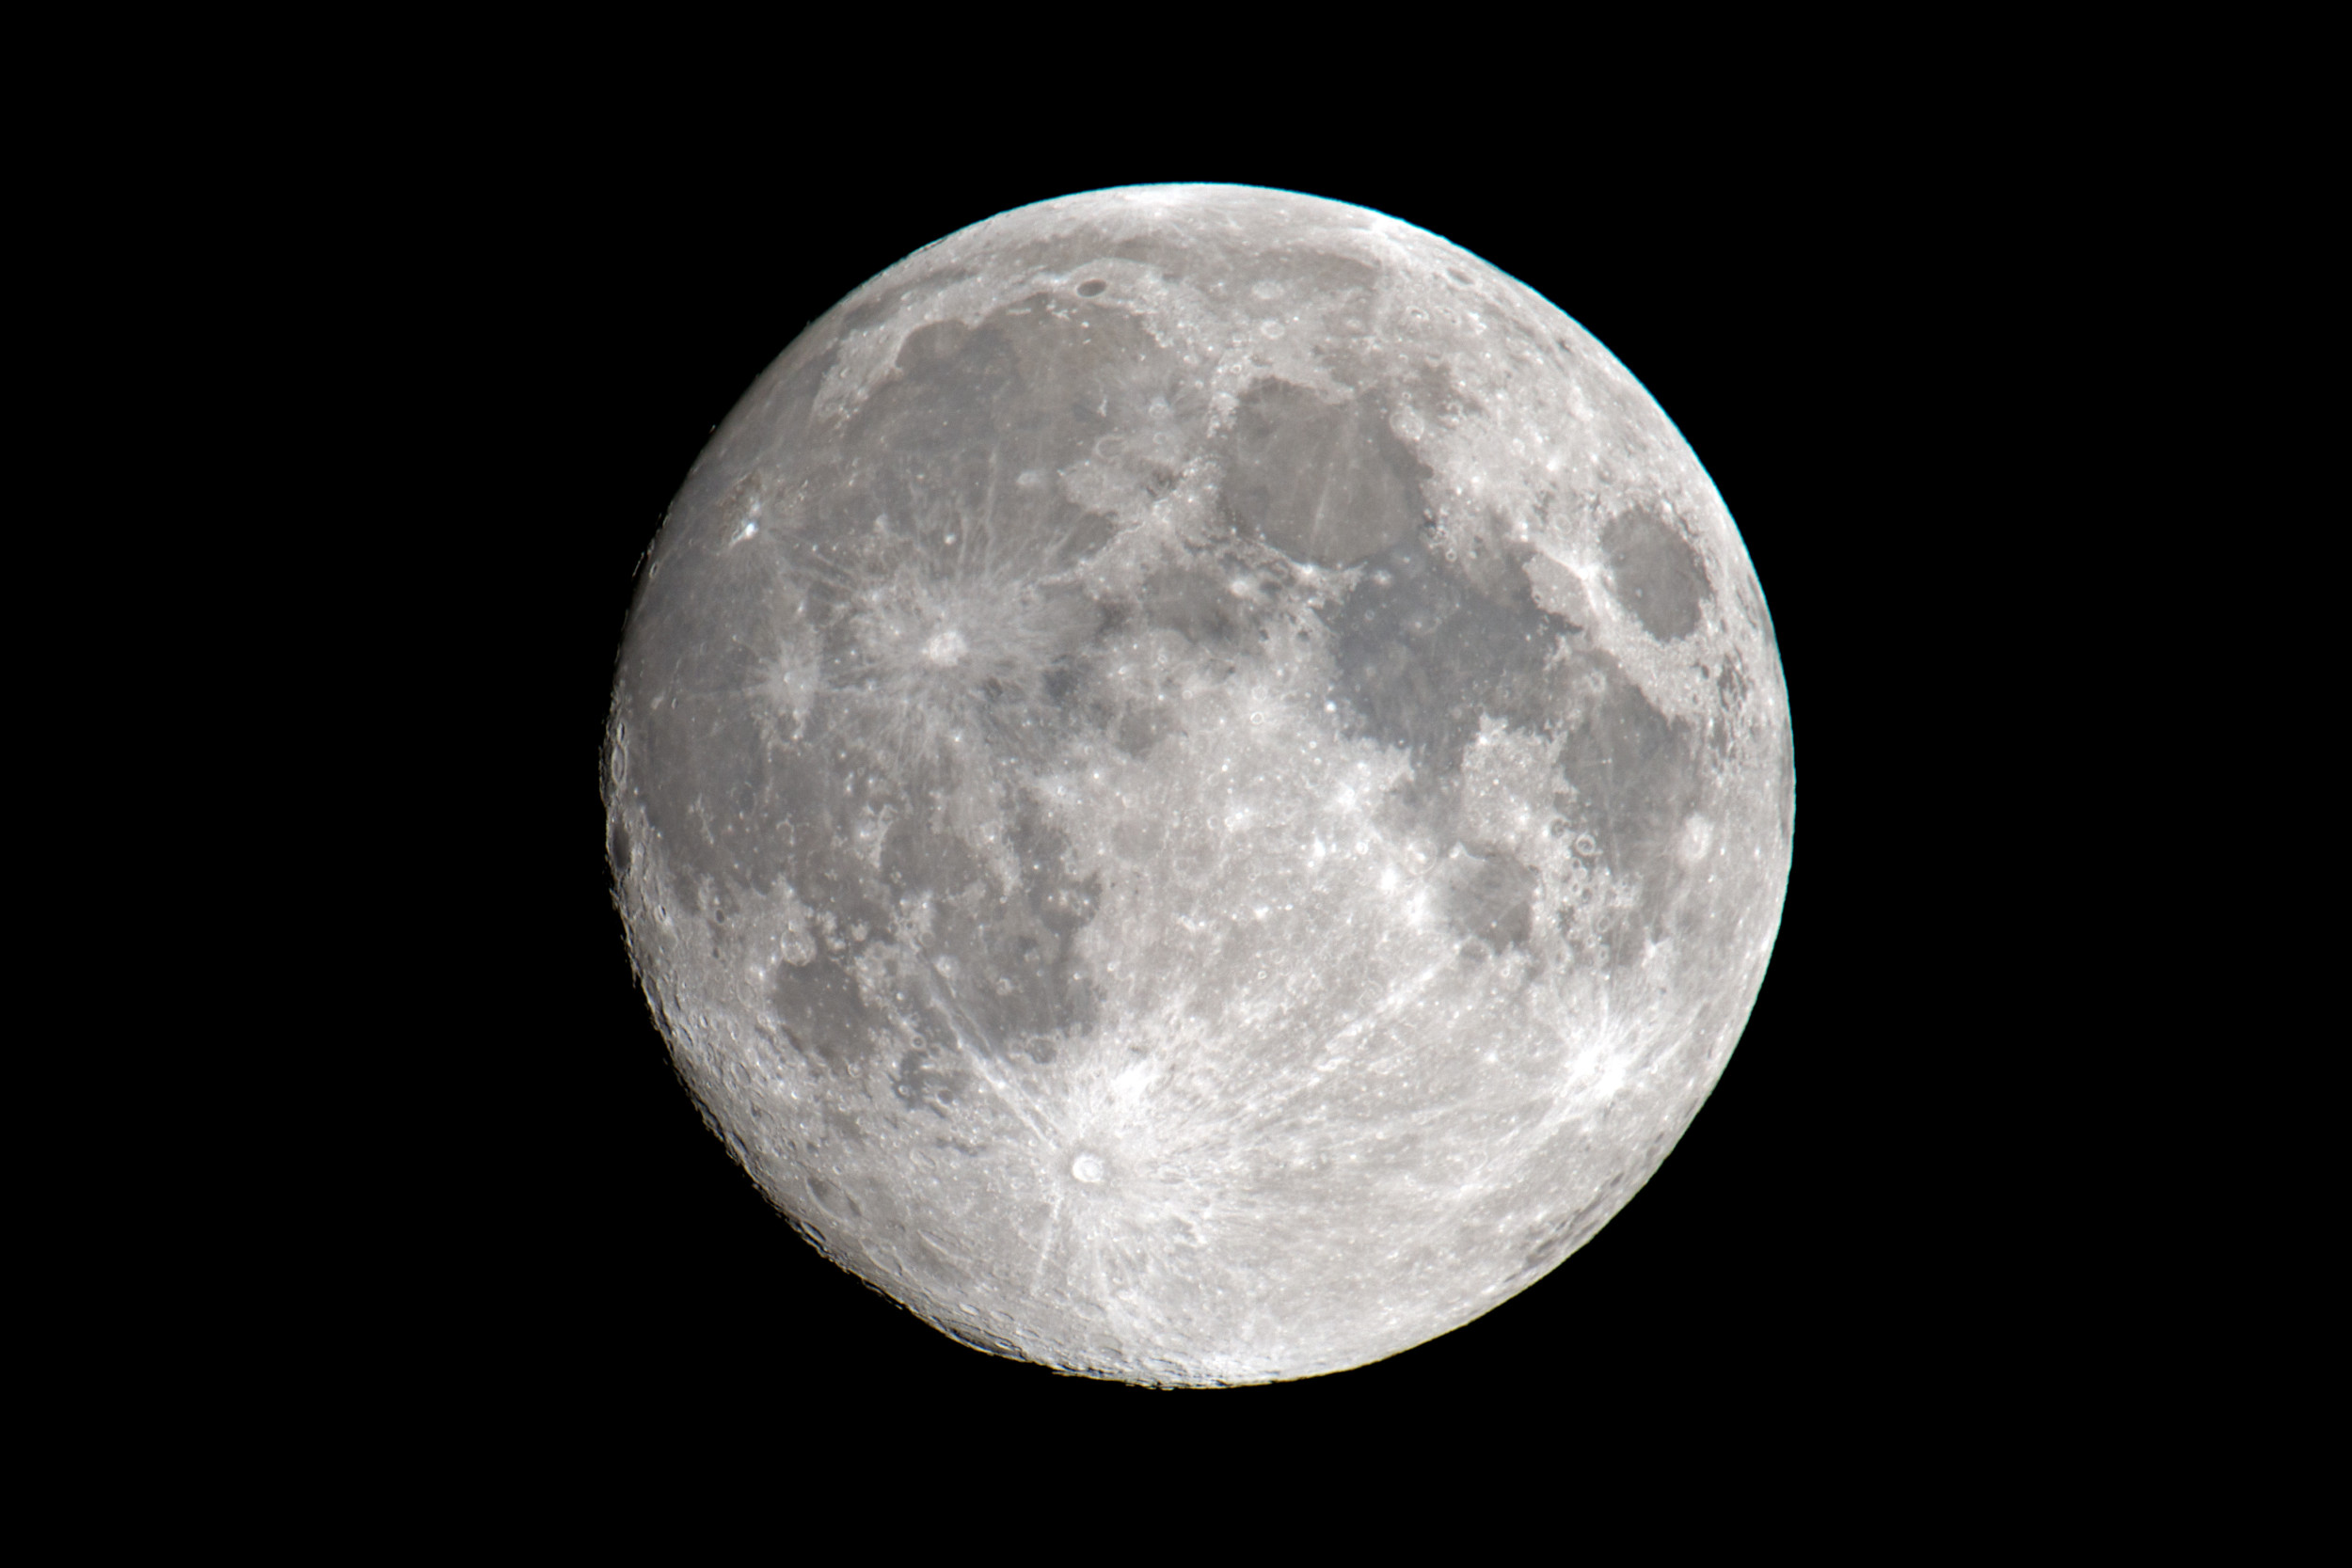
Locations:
(1636, 774)
(1320, 482)
(822, 1011)
(1423, 654)
(1654, 572)
(1489, 898)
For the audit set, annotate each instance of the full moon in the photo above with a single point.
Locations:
(1199, 784)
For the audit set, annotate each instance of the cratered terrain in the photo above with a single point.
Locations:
(1199, 784)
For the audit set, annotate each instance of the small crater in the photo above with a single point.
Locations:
(1087, 1168)
(1092, 287)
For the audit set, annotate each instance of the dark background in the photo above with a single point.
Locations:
(577, 1249)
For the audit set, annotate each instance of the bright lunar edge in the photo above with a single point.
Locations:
(1199, 783)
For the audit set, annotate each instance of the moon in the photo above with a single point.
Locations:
(1199, 784)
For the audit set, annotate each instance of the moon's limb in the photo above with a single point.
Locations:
(1200, 784)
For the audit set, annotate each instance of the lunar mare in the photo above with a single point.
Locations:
(1199, 784)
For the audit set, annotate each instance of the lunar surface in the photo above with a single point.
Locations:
(1199, 784)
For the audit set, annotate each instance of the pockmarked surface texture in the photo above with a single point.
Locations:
(1199, 784)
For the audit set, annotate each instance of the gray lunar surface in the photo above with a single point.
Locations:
(1199, 784)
